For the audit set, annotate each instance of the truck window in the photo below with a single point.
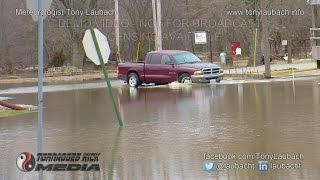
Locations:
(155, 59)
(183, 58)
(165, 59)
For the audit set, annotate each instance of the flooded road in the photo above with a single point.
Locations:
(167, 130)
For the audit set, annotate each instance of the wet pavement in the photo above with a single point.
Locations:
(168, 129)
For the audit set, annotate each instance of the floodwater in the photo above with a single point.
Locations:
(167, 130)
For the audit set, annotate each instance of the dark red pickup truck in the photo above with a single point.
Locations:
(162, 67)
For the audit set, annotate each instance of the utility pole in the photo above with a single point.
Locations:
(159, 24)
(265, 41)
(315, 35)
(155, 27)
(156, 12)
(117, 30)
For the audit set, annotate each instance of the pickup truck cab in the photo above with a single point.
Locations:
(166, 66)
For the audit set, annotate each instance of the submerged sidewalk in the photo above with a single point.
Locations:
(277, 70)
(274, 67)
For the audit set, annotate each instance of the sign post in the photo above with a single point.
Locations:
(94, 43)
(39, 6)
(200, 37)
(40, 79)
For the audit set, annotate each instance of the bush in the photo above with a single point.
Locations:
(59, 59)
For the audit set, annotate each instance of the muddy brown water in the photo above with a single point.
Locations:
(167, 131)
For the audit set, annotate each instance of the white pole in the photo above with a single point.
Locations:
(117, 30)
(159, 25)
(155, 25)
(40, 80)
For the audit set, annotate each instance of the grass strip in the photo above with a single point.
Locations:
(9, 113)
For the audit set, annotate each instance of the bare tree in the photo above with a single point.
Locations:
(2, 32)
(78, 26)
(265, 44)
(138, 28)
(178, 18)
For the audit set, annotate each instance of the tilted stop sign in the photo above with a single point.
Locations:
(91, 51)
(97, 50)
(32, 5)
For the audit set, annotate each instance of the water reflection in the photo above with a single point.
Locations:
(168, 129)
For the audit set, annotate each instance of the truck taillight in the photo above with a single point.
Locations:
(117, 69)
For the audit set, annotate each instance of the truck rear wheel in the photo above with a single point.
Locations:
(184, 78)
(133, 80)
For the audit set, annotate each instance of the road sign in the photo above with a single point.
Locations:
(314, 2)
(200, 38)
(238, 51)
(90, 49)
(32, 5)
(234, 47)
(284, 43)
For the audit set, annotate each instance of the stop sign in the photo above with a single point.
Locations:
(91, 50)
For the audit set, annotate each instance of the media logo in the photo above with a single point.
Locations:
(209, 166)
(25, 162)
(263, 165)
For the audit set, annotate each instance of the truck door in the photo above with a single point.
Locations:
(167, 69)
(152, 68)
